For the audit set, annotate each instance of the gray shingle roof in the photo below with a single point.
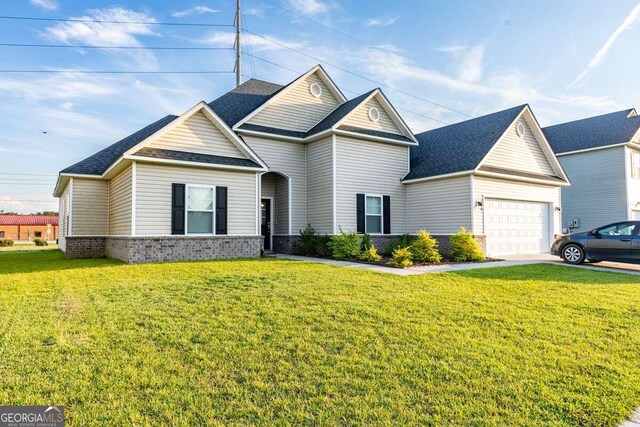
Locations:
(339, 113)
(100, 162)
(594, 132)
(235, 105)
(158, 153)
(378, 133)
(459, 147)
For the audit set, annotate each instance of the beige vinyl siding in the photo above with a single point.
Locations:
(153, 196)
(281, 206)
(120, 204)
(519, 153)
(90, 207)
(490, 188)
(370, 168)
(64, 212)
(597, 193)
(268, 188)
(320, 185)
(441, 206)
(297, 109)
(287, 158)
(198, 135)
(360, 118)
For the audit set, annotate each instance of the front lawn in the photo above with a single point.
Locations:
(277, 341)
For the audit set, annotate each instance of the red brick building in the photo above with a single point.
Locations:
(28, 227)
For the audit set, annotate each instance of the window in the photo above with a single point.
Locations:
(622, 229)
(200, 210)
(373, 214)
(38, 234)
(635, 165)
(1, 234)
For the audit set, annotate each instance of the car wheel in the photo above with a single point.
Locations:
(573, 254)
(595, 261)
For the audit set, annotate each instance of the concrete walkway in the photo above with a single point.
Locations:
(634, 420)
(508, 262)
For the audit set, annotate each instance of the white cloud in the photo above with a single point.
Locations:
(65, 87)
(308, 7)
(226, 39)
(451, 48)
(197, 10)
(253, 11)
(45, 4)
(381, 22)
(471, 66)
(628, 22)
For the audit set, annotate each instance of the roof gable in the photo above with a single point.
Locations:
(235, 105)
(615, 128)
(360, 118)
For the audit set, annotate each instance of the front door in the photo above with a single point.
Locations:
(265, 214)
(612, 242)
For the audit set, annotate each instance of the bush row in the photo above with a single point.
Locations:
(404, 252)
(5, 243)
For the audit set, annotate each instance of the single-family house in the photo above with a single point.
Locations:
(495, 175)
(601, 156)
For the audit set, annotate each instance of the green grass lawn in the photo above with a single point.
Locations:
(20, 247)
(284, 342)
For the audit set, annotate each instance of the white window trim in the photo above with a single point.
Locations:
(635, 155)
(186, 209)
(381, 215)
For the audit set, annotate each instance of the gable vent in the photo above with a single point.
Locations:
(374, 114)
(521, 129)
(315, 89)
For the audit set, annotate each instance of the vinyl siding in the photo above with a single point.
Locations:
(281, 208)
(90, 207)
(490, 188)
(198, 135)
(268, 188)
(441, 206)
(372, 168)
(153, 196)
(297, 109)
(320, 185)
(287, 158)
(120, 204)
(519, 153)
(360, 118)
(597, 193)
(63, 213)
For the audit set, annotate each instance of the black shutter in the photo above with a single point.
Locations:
(221, 210)
(177, 208)
(386, 214)
(360, 213)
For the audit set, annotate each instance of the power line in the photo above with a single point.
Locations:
(354, 73)
(102, 21)
(29, 174)
(33, 201)
(114, 47)
(115, 72)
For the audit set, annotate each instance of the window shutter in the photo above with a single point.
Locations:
(221, 210)
(360, 213)
(177, 208)
(386, 214)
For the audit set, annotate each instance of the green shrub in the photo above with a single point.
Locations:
(401, 258)
(6, 243)
(366, 242)
(345, 245)
(40, 242)
(425, 249)
(370, 255)
(322, 245)
(311, 243)
(465, 248)
(403, 242)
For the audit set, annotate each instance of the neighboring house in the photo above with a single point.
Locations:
(496, 175)
(262, 160)
(28, 227)
(601, 155)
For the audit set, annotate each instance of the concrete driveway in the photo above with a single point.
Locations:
(615, 267)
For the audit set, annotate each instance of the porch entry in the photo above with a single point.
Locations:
(265, 215)
(274, 206)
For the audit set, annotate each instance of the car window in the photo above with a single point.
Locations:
(622, 229)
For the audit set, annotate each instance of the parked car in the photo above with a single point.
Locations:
(618, 242)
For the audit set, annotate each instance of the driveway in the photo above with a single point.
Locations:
(615, 267)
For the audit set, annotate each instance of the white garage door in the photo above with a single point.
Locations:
(635, 215)
(516, 227)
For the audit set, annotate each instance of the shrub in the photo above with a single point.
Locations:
(465, 248)
(40, 242)
(6, 243)
(366, 242)
(425, 249)
(322, 245)
(370, 255)
(311, 243)
(345, 245)
(403, 242)
(401, 258)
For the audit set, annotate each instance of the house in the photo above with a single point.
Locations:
(251, 168)
(601, 155)
(495, 175)
(28, 227)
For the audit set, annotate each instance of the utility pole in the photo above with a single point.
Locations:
(238, 66)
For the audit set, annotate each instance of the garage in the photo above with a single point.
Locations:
(517, 227)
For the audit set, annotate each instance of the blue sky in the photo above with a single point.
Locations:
(568, 59)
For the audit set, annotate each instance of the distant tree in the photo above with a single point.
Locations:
(47, 213)
(2, 212)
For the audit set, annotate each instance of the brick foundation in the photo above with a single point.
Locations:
(137, 250)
